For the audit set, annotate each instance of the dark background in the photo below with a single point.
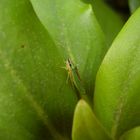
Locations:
(120, 6)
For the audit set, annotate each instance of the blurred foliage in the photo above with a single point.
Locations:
(134, 4)
(39, 40)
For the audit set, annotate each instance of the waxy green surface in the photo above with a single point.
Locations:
(116, 100)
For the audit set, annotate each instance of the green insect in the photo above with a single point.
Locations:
(75, 79)
(72, 72)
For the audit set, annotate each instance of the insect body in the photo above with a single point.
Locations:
(74, 77)
(72, 71)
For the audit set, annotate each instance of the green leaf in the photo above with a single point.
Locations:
(75, 31)
(133, 5)
(85, 125)
(110, 21)
(36, 103)
(117, 85)
(133, 134)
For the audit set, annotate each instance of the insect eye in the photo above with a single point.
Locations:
(70, 64)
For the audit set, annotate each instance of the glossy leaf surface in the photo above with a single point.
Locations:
(35, 99)
(117, 85)
(86, 126)
(110, 21)
(75, 31)
(133, 134)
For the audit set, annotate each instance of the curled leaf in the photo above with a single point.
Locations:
(85, 125)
